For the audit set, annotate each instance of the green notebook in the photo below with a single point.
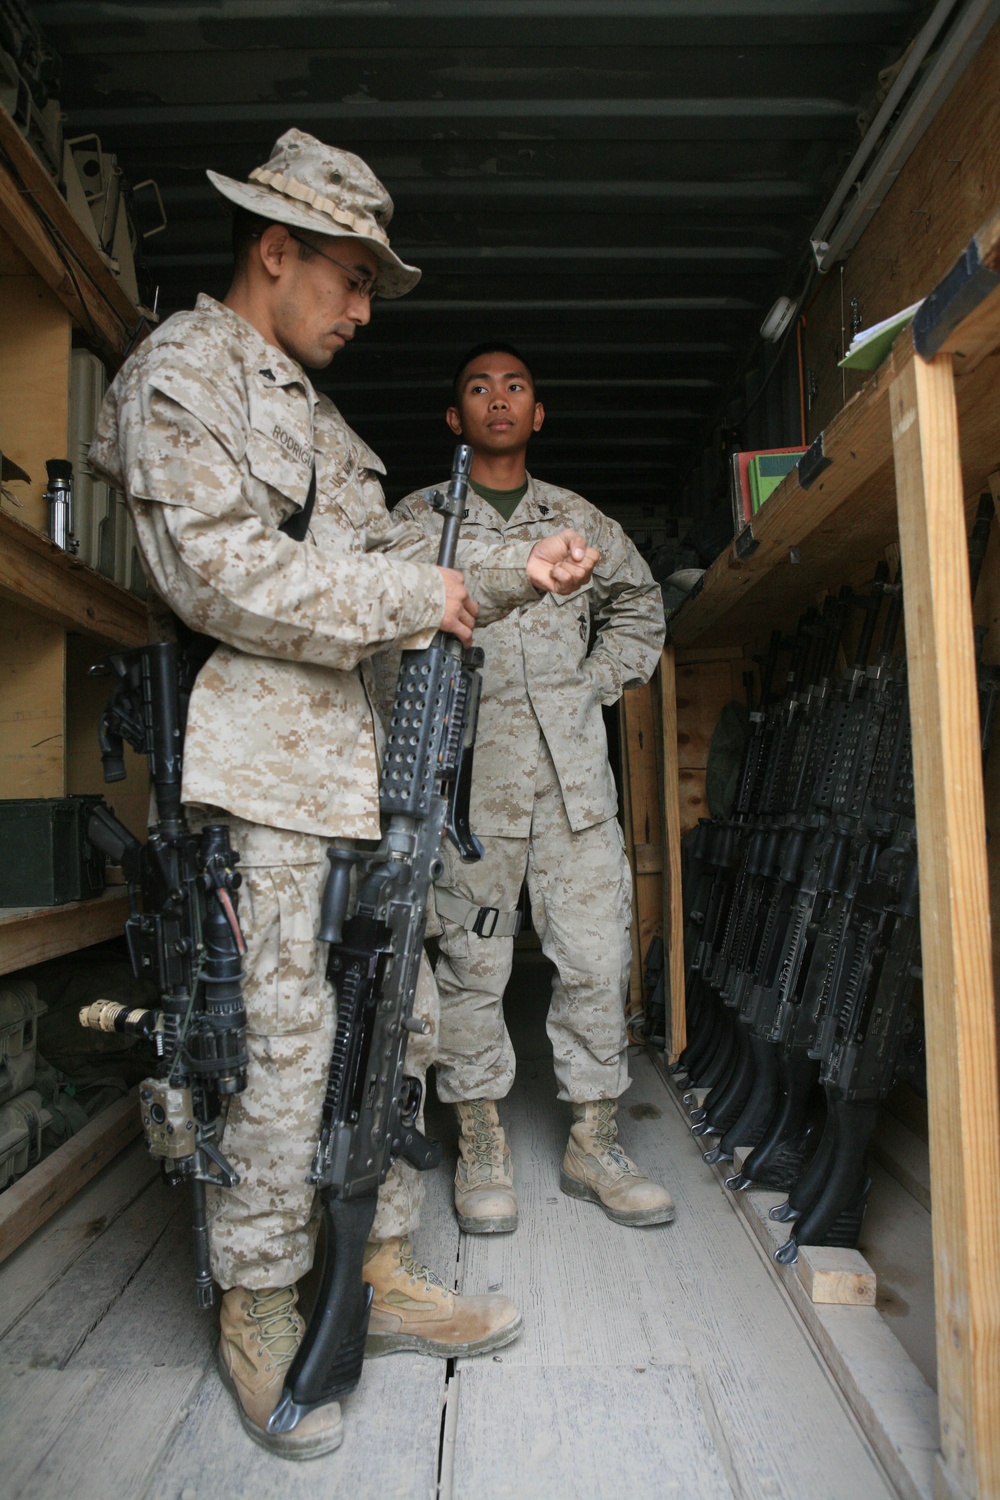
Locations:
(871, 346)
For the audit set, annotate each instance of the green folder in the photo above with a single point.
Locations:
(765, 474)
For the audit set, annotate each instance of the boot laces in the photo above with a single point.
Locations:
(274, 1314)
(413, 1267)
(483, 1145)
(606, 1136)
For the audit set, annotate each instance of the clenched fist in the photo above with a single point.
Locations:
(561, 562)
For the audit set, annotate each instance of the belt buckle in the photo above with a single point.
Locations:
(480, 922)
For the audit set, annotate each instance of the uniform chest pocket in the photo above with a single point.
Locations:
(340, 478)
(577, 598)
(279, 454)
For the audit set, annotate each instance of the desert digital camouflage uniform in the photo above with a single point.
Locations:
(544, 804)
(211, 433)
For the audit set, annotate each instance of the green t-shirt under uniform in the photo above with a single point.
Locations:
(505, 501)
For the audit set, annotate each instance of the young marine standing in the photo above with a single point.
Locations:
(543, 804)
(217, 437)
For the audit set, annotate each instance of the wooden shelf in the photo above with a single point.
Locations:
(30, 935)
(36, 217)
(847, 513)
(54, 584)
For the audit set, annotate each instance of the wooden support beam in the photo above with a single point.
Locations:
(961, 316)
(964, 1117)
(673, 912)
(30, 1202)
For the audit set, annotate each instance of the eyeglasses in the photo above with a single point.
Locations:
(363, 286)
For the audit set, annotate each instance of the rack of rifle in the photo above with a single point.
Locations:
(802, 926)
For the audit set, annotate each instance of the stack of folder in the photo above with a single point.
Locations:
(753, 476)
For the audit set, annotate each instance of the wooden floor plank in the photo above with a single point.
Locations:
(887, 1389)
(55, 1327)
(672, 1345)
(597, 1294)
(390, 1448)
(893, 1402)
(36, 1407)
(26, 1275)
(563, 1432)
(156, 1316)
(90, 1434)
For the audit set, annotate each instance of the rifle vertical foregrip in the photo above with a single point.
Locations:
(336, 892)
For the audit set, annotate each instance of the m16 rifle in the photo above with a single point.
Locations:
(870, 1033)
(831, 781)
(801, 726)
(709, 888)
(861, 830)
(371, 1107)
(183, 933)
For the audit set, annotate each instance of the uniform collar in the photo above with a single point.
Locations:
(530, 508)
(272, 367)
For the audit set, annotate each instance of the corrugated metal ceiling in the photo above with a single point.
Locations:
(621, 187)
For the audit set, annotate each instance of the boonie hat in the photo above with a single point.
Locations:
(308, 185)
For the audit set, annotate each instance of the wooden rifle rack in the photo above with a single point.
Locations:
(899, 461)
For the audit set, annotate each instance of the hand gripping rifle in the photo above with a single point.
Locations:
(371, 1107)
(183, 932)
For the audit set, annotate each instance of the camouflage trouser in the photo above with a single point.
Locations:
(263, 1232)
(581, 906)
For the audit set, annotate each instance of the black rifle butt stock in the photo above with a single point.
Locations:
(834, 1218)
(329, 1359)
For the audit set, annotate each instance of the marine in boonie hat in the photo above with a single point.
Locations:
(308, 185)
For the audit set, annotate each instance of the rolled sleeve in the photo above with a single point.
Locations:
(627, 613)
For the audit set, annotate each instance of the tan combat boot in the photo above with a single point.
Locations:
(484, 1181)
(412, 1309)
(261, 1332)
(596, 1168)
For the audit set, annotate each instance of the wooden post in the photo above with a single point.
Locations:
(673, 915)
(963, 1110)
(643, 794)
(635, 976)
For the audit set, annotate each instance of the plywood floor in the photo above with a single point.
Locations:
(653, 1363)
